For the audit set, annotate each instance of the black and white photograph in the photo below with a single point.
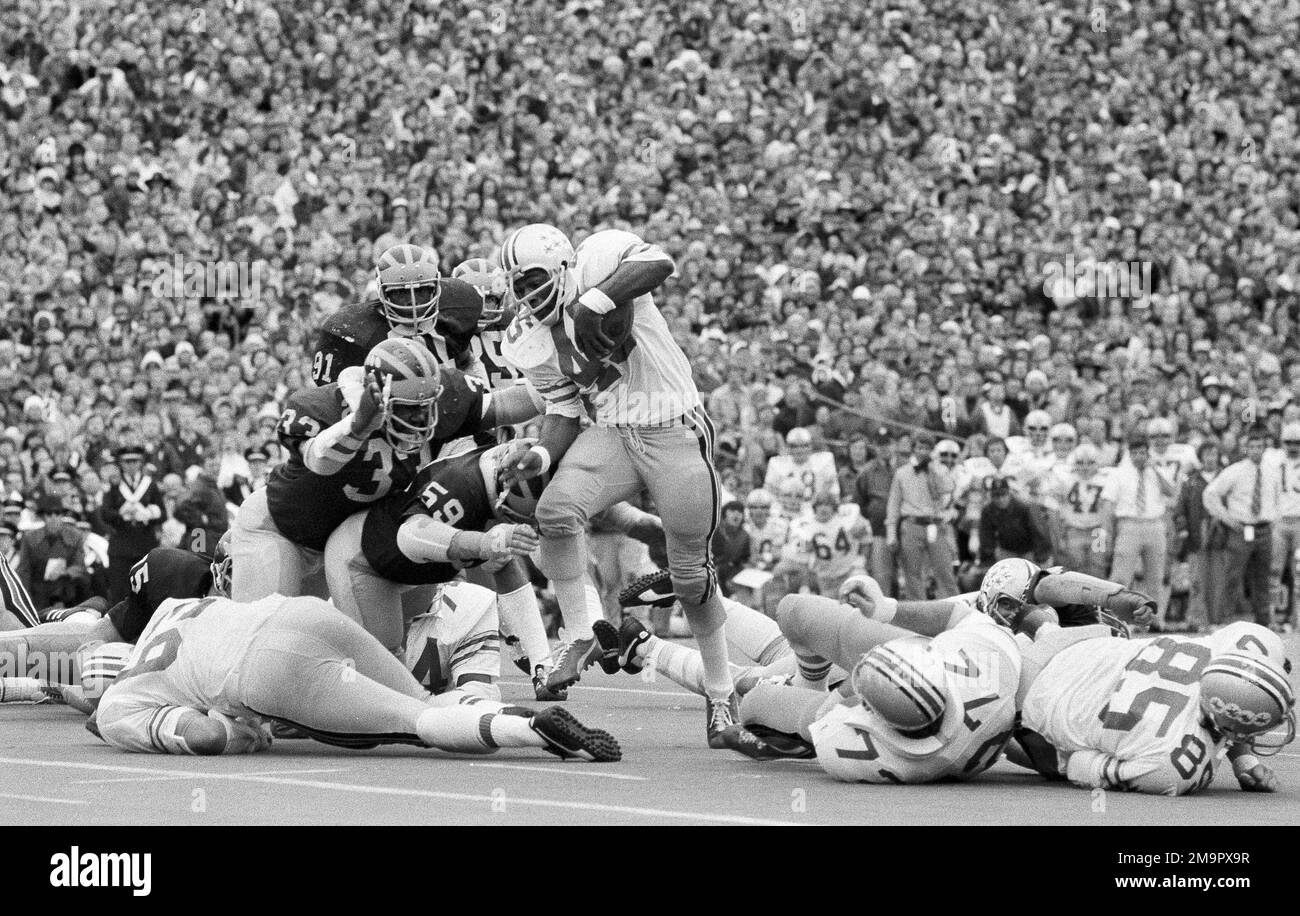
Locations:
(645, 413)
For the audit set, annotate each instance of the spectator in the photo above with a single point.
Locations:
(133, 512)
(51, 561)
(1205, 556)
(872, 490)
(1245, 499)
(1134, 503)
(920, 501)
(731, 545)
(1007, 527)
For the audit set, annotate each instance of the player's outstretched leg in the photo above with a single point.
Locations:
(823, 632)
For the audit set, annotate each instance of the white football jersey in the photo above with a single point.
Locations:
(458, 636)
(189, 656)
(643, 383)
(817, 474)
(1177, 461)
(980, 672)
(1078, 501)
(1132, 708)
(770, 540)
(836, 548)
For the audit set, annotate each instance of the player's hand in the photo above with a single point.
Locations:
(1145, 614)
(864, 593)
(505, 541)
(370, 409)
(1258, 778)
(588, 333)
(523, 464)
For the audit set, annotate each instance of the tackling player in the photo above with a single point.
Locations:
(489, 279)
(209, 676)
(413, 301)
(350, 444)
(589, 337)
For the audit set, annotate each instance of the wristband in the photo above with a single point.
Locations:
(1244, 764)
(888, 608)
(597, 301)
(545, 456)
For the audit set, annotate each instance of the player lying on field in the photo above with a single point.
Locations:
(209, 676)
(1151, 716)
(163, 573)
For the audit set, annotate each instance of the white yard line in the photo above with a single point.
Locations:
(42, 798)
(653, 693)
(559, 770)
(98, 782)
(507, 800)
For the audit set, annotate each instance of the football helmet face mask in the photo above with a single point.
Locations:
(409, 285)
(1248, 697)
(411, 383)
(538, 261)
(901, 682)
(489, 279)
(1004, 591)
(221, 566)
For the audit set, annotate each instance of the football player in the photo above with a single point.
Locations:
(1074, 500)
(413, 301)
(815, 471)
(164, 572)
(210, 676)
(453, 516)
(350, 444)
(1148, 716)
(489, 279)
(835, 543)
(588, 335)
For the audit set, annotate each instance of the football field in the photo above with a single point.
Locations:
(55, 772)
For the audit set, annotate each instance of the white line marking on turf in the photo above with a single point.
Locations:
(42, 798)
(408, 793)
(656, 693)
(561, 769)
(95, 782)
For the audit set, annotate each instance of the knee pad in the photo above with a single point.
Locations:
(557, 517)
(694, 585)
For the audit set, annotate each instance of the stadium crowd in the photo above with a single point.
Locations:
(865, 202)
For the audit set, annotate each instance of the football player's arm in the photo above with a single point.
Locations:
(164, 729)
(1058, 589)
(1154, 775)
(929, 618)
(508, 406)
(642, 269)
(558, 433)
(423, 539)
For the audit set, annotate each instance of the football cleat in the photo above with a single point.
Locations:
(543, 691)
(651, 590)
(566, 737)
(626, 639)
(765, 745)
(517, 655)
(576, 657)
(719, 715)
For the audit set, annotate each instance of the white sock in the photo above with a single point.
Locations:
(749, 633)
(680, 664)
(717, 668)
(466, 729)
(521, 617)
(574, 608)
(20, 690)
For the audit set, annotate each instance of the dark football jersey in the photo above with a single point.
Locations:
(451, 491)
(306, 507)
(486, 345)
(347, 336)
(164, 572)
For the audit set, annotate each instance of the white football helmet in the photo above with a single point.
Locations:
(1248, 697)
(901, 682)
(1004, 592)
(538, 260)
(489, 279)
(409, 287)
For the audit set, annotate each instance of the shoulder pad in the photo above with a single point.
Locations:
(527, 345)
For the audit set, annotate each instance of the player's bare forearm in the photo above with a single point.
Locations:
(512, 405)
(636, 278)
(929, 618)
(558, 433)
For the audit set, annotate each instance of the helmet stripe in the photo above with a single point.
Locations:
(1253, 672)
(910, 682)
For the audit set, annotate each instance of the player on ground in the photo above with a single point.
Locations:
(1148, 716)
(589, 337)
(209, 675)
(349, 445)
(452, 517)
(413, 301)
